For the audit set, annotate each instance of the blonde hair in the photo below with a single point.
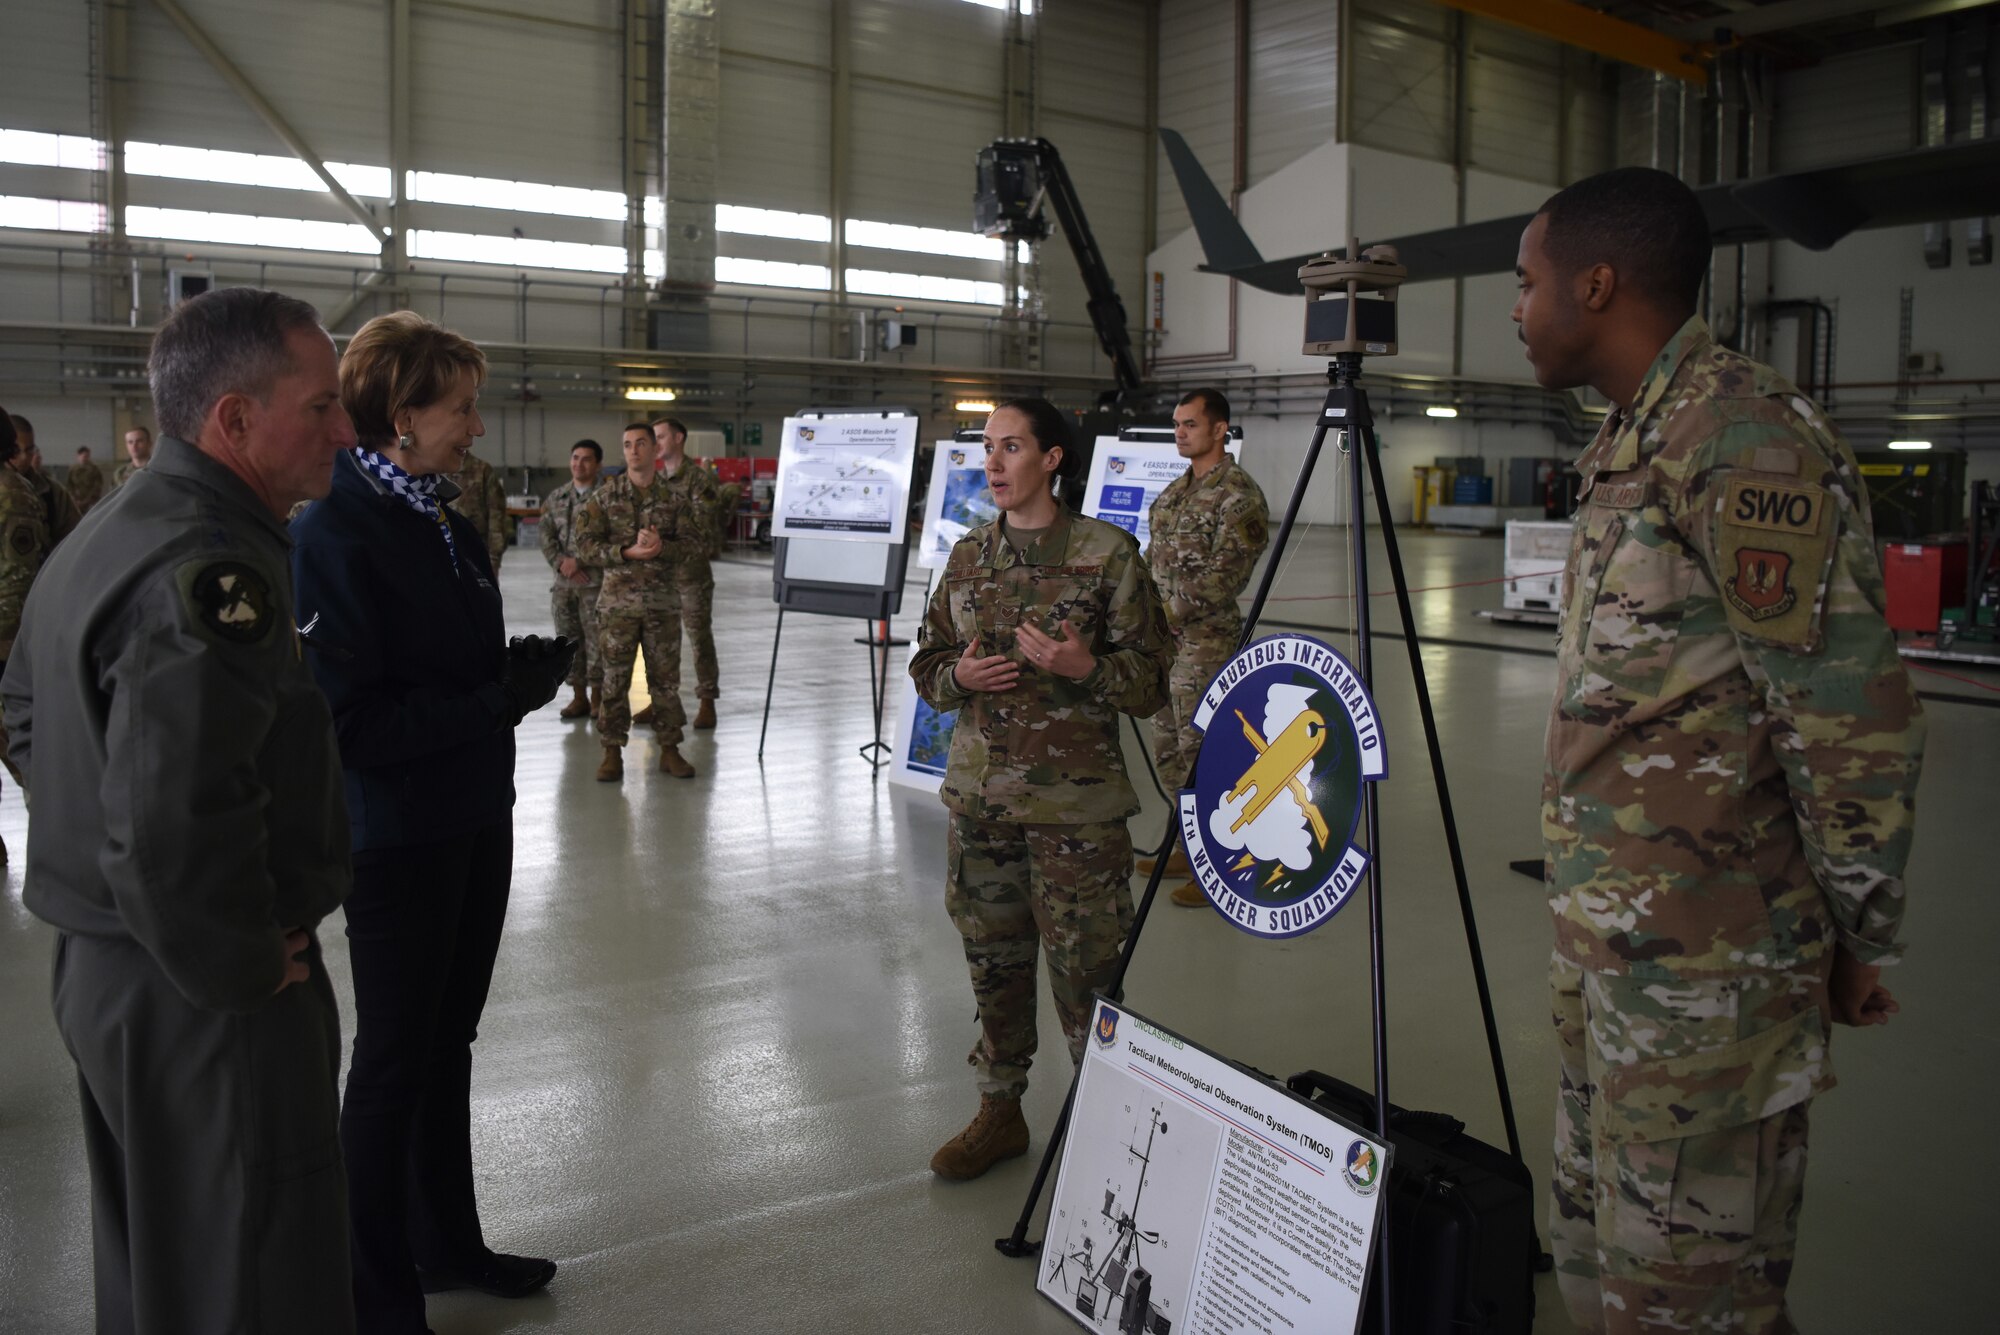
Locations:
(397, 361)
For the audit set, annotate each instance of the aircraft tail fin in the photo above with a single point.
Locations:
(1223, 240)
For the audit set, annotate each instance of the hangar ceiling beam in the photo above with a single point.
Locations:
(236, 79)
(1588, 30)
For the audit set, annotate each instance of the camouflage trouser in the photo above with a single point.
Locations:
(1199, 653)
(575, 613)
(620, 632)
(1655, 1232)
(697, 581)
(1010, 887)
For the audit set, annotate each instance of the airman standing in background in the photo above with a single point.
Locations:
(24, 543)
(58, 509)
(573, 596)
(482, 499)
(85, 481)
(1208, 528)
(698, 491)
(139, 452)
(632, 529)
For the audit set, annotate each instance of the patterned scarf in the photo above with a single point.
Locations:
(419, 493)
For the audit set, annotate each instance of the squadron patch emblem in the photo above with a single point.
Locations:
(21, 539)
(231, 600)
(1289, 737)
(1761, 588)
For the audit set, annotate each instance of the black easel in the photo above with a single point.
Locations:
(875, 751)
(1345, 411)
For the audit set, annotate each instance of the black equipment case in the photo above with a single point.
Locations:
(1463, 1251)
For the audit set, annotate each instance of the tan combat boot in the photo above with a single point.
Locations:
(577, 707)
(998, 1132)
(1177, 864)
(613, 767)
(672, 762)
(644, 718)
(704, 718)
(1189, 896)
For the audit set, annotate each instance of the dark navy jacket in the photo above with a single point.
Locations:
(410, 655)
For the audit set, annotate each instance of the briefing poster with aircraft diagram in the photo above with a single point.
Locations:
(1127, 476)
(1194, 1199)
(845, 477)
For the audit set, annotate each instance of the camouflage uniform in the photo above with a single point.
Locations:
(1729, 794)
(58, 509)
(86, 486)
(573, 605)
(696, 487)
(24, 544)
(1036, 781)
(123, 473)
(639, 601)
(1207, 534)
(483, 500)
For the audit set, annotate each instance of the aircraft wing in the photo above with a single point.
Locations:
(1814, 208)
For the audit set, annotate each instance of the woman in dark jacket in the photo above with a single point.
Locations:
(401, 618)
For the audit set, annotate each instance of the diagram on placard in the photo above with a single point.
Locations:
(1102, 1262)
(842, 485)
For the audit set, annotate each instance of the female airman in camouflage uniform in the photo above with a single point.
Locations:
(1044, 628)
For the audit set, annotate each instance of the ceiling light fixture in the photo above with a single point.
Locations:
(650, 394)
(1909, 444)
(1435, 411)
(973, 406)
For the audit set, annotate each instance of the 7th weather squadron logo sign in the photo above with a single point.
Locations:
(1289, 737)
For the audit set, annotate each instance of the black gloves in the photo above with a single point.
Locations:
(536, 668)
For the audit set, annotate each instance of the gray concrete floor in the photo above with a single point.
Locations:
(730, 1015)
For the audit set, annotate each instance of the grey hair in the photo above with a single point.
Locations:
(227, 341)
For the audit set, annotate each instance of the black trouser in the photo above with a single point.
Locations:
(423, 926)
(217, 1201)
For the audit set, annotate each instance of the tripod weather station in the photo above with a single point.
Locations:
(1350, 315)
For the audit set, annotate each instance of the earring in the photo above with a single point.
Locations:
(406, 442)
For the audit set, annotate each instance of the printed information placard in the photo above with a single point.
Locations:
(957, 502)
(1127, 476)
(923, 738)
(1194, 1199)
(844, 477)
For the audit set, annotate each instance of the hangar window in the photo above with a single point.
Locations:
(923, 287)
(772, 222)
(519, 251)
(269, 170)
(50, 215)
(31, 148)
(923, 240)
(243, 229)
(772, 273)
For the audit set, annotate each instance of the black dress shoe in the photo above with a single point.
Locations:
(496, 1273)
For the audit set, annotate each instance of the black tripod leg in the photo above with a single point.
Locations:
(770, 683)
(1465, 909)
(1360, 441)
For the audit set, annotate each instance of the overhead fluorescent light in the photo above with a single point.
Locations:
(1909, 444)
(973, 406)
(650, 394)
(1435, 411)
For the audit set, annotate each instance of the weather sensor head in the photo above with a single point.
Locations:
(1351, 303)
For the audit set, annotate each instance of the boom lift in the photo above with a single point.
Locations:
(1017, 177)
